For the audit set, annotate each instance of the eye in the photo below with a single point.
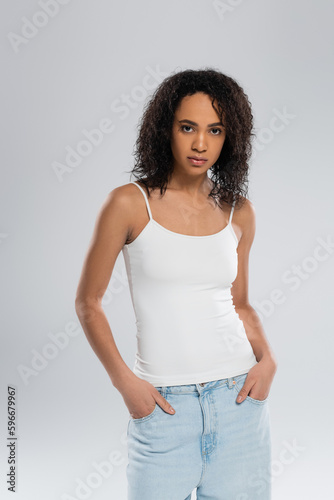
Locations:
(183, 126)
(218, 131)
(189, 127)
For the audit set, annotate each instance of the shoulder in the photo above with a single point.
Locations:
(124, 203)
(244, 217)
(245, 210)
(123, 197)
(118, 213)
(119, 206)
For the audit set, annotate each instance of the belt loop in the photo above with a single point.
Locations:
(163, 392)
(230, 382)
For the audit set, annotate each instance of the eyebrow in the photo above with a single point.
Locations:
(196, 124)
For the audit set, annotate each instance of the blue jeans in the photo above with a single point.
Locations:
(212, 443)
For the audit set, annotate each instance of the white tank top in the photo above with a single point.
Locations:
(187, 328)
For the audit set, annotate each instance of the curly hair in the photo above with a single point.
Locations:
(153, 154)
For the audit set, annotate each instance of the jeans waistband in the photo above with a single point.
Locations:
(201, 386)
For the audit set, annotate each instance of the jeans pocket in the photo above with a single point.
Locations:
(150, 415)
(146, 417)
(239, 382)
(257, 401)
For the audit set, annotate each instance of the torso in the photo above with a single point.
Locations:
(179, 213)
(181, 288)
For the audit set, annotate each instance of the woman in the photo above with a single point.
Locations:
(198, 394)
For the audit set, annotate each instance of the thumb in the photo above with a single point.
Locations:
(163, 403)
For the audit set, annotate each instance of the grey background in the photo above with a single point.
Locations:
(65, 79)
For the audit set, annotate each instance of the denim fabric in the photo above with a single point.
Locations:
(212, 443)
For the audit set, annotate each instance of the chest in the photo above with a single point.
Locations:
(163, 257)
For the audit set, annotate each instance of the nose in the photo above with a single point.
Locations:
(199, 143)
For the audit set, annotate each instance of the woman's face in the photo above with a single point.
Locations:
(197, 131)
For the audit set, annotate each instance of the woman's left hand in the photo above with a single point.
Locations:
(258, 381)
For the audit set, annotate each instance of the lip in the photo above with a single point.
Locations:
(197, 160)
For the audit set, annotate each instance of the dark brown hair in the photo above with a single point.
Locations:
(153, 154)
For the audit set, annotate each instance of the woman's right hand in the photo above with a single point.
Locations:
(140, 398)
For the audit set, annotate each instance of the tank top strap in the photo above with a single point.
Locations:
(146, 199)
(231, 214)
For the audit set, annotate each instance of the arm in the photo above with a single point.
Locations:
(112, 229)
(260, 376)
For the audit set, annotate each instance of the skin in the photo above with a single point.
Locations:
(185, 208)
